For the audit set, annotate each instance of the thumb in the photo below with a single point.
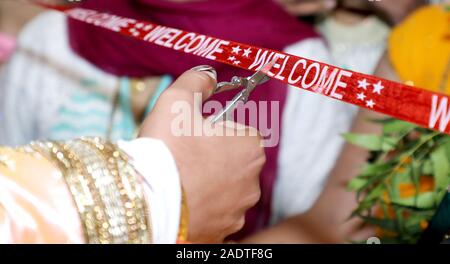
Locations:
(201, 80)
(310, 7)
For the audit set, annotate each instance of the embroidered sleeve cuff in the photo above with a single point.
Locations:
(155, 163)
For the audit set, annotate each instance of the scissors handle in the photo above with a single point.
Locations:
(249, 85)
(235, 83)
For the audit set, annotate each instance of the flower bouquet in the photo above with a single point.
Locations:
(405, 180)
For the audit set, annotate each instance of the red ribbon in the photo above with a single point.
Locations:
(424, 108)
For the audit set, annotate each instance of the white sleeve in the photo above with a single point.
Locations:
(311, 140)
(40, 78)
(18, 105)
(30, 88)
(154, 162)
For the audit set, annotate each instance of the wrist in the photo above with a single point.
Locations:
(155, 163)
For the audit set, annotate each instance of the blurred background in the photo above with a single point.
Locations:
(13, 17)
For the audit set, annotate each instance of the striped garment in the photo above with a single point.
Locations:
(89, 113)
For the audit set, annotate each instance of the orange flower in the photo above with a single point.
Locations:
(406, 214)
(407, 190)
(390, 214)
(386, 198)
(406, 160)
(380, 232)
(399, 169)
(423, 224)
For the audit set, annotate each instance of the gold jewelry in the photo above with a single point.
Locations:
(5, 160)
(105, 188)
(126, 179)
(184, 219)
(138, 85)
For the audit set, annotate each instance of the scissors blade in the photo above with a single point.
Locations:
(259, 77)
(228, 110)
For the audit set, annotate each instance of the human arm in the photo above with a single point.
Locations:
(218, 194)
(327, 220)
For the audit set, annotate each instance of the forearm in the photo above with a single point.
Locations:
(321, 224)
(328, 219)
(301, 229)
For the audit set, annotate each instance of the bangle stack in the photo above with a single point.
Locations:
(105, 188)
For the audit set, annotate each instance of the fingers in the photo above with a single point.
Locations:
(249, 141)
(307, 7)
(242, 131)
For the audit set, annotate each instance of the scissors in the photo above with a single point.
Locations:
(249, 84)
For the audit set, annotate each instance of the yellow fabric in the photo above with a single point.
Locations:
(419, 48)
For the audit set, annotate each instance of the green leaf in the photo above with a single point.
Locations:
(415, 217)
(388, 143)
(375, 169)
(375, 193)
(427, 168)
(356, 184)
(362, 207)
(422, 201)
(441, 168)
(446, 145)
(397, 126)
(370, 142)
(395, 180)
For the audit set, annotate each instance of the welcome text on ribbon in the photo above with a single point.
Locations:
(424, 108)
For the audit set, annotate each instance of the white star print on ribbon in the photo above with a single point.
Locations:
(363, 84)
(247, 52)
(236, 49)
(361, 96)
(377, 90)
(370, 103)
(378, 87)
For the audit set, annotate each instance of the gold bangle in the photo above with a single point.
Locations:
(183, 230)
(136, 212)
(96, 173)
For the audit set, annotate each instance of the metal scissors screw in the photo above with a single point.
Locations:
(249, 84)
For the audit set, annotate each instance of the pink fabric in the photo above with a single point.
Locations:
(7, 46)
